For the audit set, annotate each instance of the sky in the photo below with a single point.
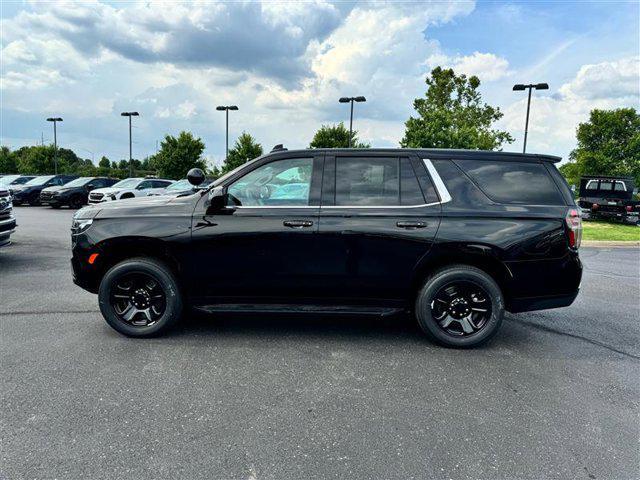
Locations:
(285, 64)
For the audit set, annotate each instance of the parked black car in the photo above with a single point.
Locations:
(7, 219)
(30, 191)
(609, 198)
(74, 194)
(456, 237)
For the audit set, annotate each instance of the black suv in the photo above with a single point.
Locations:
(75, 194)
(30, 191)
(456, 237)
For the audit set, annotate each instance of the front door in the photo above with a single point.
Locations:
(378, 219)
(259, 247)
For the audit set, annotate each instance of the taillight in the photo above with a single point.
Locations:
(594, 206)
(629, 208)
(574, 227)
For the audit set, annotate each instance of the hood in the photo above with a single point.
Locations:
(142, 207)
(107, 190)
(57, 188)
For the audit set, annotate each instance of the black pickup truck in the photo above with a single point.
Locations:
(609, 197)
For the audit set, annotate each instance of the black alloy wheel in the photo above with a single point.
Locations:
(140, 297)
(460, 306)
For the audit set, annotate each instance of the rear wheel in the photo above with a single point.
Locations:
(140, 297)
(460, 306)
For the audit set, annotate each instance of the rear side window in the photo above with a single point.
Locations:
(513, 182)
(367, 181)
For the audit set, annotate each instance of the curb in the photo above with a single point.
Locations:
(608, 243)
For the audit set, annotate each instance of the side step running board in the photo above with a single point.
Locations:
(289, 308)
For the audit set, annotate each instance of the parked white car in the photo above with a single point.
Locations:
(130, 188)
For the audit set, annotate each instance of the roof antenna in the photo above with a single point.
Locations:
(278, 148)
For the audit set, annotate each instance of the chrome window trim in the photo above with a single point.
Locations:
(439, 185)
(443, 193)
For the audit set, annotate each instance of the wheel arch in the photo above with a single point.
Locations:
(116, 250)
(483, 257)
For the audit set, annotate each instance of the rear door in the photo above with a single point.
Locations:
(378, 219)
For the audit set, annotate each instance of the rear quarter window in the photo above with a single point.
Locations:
(520, 183)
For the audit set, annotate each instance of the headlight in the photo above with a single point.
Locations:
(80, 225)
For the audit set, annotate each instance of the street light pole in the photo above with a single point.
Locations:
(55, 120)
(226, 108)
(530, 87)
(351, 100)
(130, 114)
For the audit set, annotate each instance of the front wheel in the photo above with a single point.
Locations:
(140, 297)
(460, 306)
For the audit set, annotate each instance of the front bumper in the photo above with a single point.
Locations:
(7, 227)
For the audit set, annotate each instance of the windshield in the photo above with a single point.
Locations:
(127, 183)
(79, 182)
(179, 186)
(6, 180)
(39, 180)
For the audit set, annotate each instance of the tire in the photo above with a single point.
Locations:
(127, 195)
(465, 279)
(76, 202)
(55, 207)
(34, 201)
(111, 286)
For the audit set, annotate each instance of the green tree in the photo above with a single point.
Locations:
(336, 136)
(40, 160)
(608, 144)
(246, 148)
(104, 162)
(452, 115)
(7, 160)
(177, 155)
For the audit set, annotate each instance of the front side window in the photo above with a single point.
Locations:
(280, 183)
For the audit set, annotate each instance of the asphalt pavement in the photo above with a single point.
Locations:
(554, 395)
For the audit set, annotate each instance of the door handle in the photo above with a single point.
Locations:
(411, 225)
(297, 223)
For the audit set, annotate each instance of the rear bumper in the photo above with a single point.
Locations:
(529, 304)
(544, 283)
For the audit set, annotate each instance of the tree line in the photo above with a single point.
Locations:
(451, 114)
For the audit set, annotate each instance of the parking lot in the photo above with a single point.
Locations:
(555, 395)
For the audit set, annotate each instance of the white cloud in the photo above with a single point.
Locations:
(607, 80)
(486, 66)
(554, 119)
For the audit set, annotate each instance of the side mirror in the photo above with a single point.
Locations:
(217, 200)
(195, 176)
(91, 187)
